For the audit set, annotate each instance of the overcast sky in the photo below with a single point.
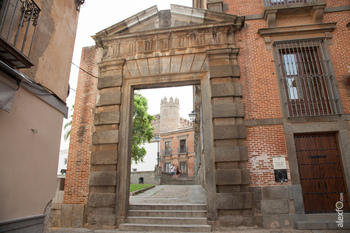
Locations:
(96, 15)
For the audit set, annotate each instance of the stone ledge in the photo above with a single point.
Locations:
(109, 98)
(228, 110)
(277, 221)
(102, 178)
(232, 177)
(101, 219)
(224, 71)
(27, 224)
(109, 81)
(103, 157)
(105, 118)
(102, 200)
(226, 89)
(105, 137)
(231, 154)
(274, 192)
(234, 201)
(229, 132)
(275, 206)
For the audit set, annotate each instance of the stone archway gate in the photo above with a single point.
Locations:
(181, 46)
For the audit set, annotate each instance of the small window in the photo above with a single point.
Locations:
(183, 168)
(167, 148)
(167, 167)
(307, 78)
(183, 147)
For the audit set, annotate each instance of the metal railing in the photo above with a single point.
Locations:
(182, 150)
(287, 2)
(166, 153)
(18, 21)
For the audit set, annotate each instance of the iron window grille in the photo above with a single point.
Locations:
(307, 78)
(18, 23)
(287, 2)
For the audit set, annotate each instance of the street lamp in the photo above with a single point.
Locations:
(157, 139)
(192, 116)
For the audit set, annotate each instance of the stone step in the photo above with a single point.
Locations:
(321, 225)
(168, 213)
(164, 228)
(167, 220)
(179, 182)
(168, 207)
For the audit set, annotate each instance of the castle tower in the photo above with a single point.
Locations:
(169, 114)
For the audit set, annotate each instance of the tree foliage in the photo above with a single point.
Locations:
(142, 131)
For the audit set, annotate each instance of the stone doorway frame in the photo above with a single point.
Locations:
(125, 134)
(224, 157)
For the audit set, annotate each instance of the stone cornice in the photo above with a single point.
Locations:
(213, 25)
(321, 30)
(183, 130)
(297, 30)
(189, 17)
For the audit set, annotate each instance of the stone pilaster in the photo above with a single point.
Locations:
(232, 178)
(104, 149)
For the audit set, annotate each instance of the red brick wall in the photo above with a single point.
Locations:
(78, 167)
(340, 54)
(244, 7)
(265, 142)
(260, 87)
(335, 3)
(259, 82)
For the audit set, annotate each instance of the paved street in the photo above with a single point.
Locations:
(186, 194)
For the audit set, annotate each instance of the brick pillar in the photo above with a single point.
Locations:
(78, 166)
(232, 178)
(101, 204)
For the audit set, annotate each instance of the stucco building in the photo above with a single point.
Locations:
(36, 49)
(271, 87)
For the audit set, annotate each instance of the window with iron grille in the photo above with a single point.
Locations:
(307, 78)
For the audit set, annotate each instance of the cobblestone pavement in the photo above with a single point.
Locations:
(185, 194)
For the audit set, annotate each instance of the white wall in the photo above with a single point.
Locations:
(150, 159)
(62, 162)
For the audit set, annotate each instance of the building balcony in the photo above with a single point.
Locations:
(182, 150)
(18, 21)
(289, 3)
(166, 153)
(272, 8)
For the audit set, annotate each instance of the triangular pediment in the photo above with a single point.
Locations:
(177, 17)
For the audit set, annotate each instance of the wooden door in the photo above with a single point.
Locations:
(321, 172)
